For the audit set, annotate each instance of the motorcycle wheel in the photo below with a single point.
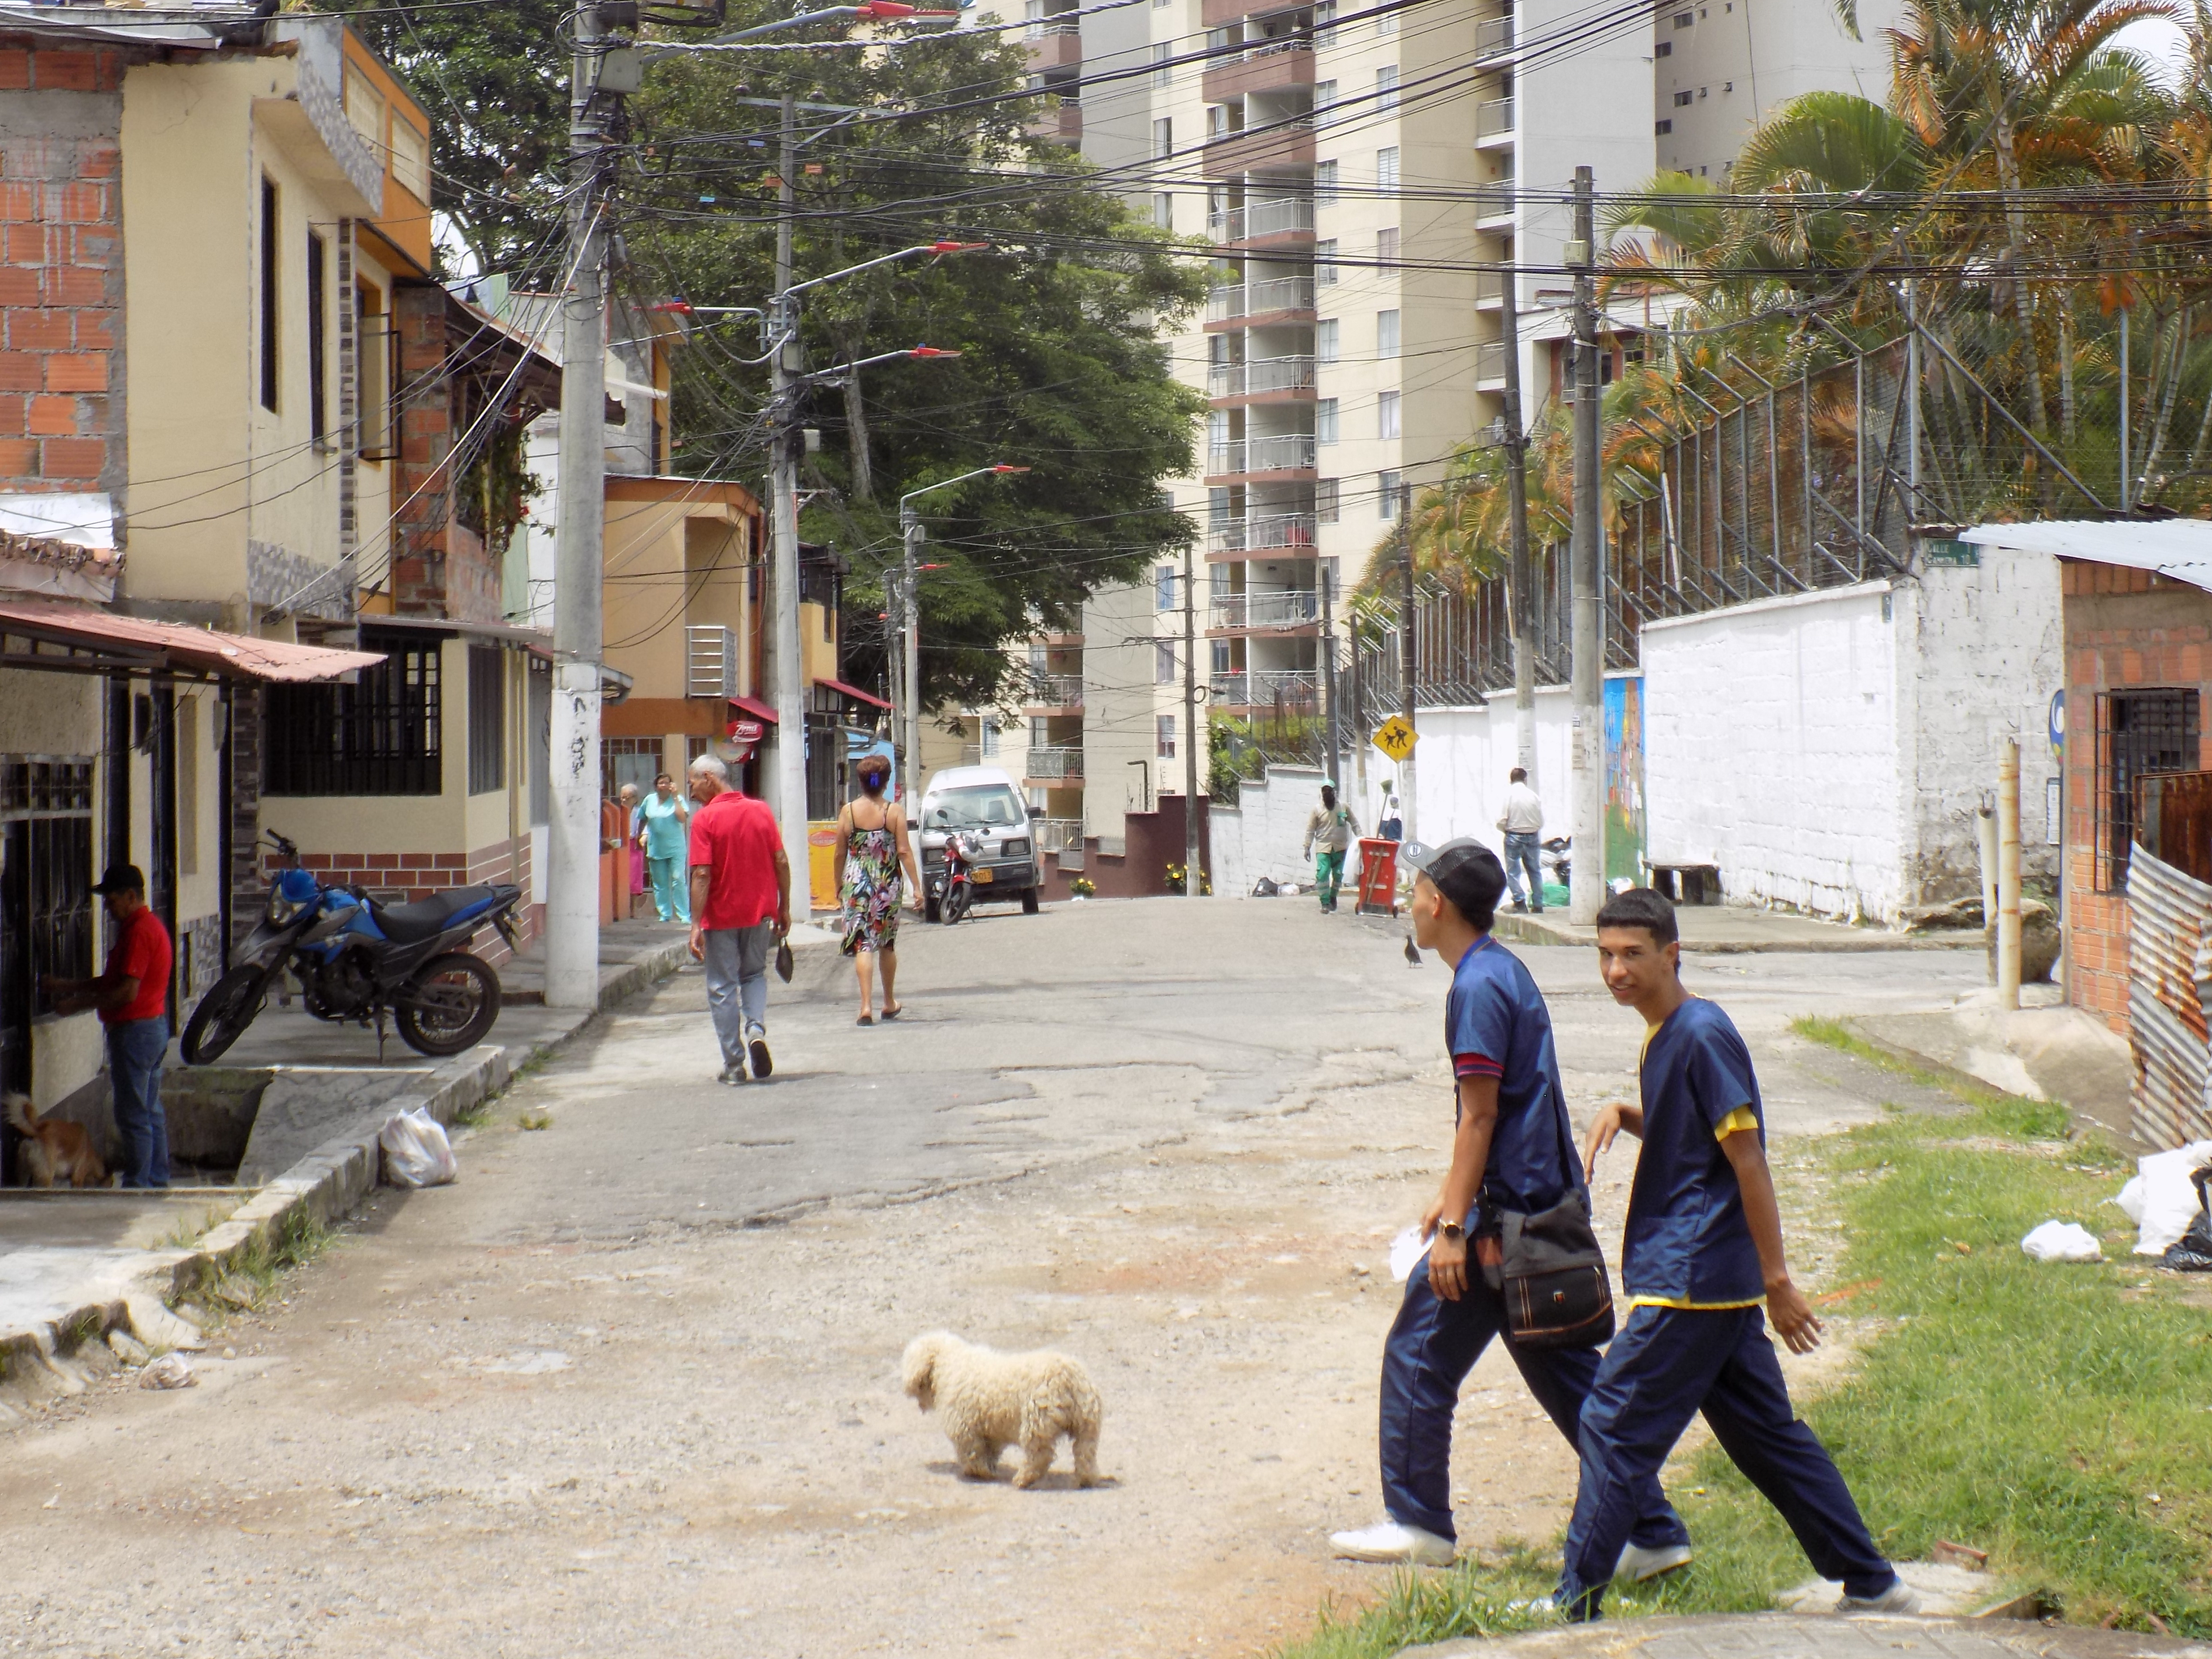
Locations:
(222, 1016)
(449, 1006)
(956, 904)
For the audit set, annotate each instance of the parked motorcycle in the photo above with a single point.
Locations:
(358, 959)
(953, 887)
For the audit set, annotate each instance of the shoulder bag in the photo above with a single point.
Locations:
(1549, 1270)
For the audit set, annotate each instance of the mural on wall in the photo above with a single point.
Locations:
(1624, 777)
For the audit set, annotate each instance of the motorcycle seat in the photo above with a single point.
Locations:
(408, 924)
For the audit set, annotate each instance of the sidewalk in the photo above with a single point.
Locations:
(1792, 1636)
(2044, 1050)
(1722, 929)
(307, 1099)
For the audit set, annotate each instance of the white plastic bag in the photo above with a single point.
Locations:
(171, 1370)
(1408, 1247)
(2062, 1241)
(416, 1151)
(2161, 1200)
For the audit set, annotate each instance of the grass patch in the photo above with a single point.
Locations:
(536, 1120)
(256, 1266)
(2013, 1113)
(2026, 1409)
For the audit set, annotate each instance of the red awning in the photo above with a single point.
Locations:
(854, 693)
(755, 707)
(139, 642)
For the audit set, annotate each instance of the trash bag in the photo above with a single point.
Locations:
(2062, 1241)
(416, 1151)
(171, 1370)
(2192, 1252)
(1264, 888)
(2160, 1199)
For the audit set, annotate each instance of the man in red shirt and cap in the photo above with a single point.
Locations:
(740, 906)
(133, 998)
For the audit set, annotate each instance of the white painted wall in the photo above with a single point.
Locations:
(1771, 750)
(1260, 835)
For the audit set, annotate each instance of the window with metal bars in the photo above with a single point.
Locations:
(379, 736)
(46, 818)
(2138, 733)
(486, 718)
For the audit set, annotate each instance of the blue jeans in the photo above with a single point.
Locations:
(1431, 1348)
(1524, 852)
(135, 1049)
(1666, 1366)
(737, 985)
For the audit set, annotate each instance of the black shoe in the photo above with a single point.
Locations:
(762, 1064)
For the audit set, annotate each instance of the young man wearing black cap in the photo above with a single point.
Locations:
(1702, 1251)
(133, 999)
(1513, 1147)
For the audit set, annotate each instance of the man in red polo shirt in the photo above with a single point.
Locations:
(133, 999)
(740, 906)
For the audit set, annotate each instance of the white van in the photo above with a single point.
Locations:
(981, 803)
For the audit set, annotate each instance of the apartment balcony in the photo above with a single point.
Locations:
(1218, 13)
(1489, 290)
(1236, 539)
(1057, 835)
(1268, 67)
(1062, 123)
(1493, 206)
(1271, 300)
(1053, 693)
(1490, 366)
(1286, 144)
(1493, 122)
(1260, 460)
(1054, 766)
(1053, 46)
(1493, 37)
(1264, 687)
(1284, 222)
(1268, 610)
(1260, 379)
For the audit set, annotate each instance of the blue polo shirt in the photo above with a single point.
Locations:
(1687, 1244)
(1497, 1025)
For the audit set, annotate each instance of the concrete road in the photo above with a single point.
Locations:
(631, 1387)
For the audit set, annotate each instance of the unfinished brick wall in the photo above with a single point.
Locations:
(439, 566)
(61, 267)
(2126, 629)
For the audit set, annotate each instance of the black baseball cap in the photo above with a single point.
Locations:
(1464, 871)
(121, 878)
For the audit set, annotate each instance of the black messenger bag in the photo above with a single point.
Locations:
(1548, 1269)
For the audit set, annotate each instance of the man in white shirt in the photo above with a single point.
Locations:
(1523, 821)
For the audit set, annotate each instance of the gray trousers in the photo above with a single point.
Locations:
(737, 984)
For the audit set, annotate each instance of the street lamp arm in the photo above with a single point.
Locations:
(833, 374)
(871, 11)
(947, 484)
(941, 246)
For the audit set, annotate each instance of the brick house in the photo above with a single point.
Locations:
(2136, 602)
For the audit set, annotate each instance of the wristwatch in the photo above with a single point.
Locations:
(1450, 1229)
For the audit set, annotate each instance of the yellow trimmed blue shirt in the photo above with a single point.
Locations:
(1687, 1244)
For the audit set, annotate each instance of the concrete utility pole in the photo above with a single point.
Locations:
(1406, 658)
(908, 736)
(2009, 875)
(787, 779)
(1330, 724)
(572, 885)
(1586, 891)
(1194, 885)
(1520, 582)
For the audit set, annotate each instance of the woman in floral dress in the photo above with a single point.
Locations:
(872, 847)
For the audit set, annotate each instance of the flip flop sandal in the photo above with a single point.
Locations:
(865, 1019)
(893, 1012)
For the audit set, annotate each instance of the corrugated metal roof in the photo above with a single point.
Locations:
(2169, 963)
(229, 656)
(2179, 548)
(204, 28)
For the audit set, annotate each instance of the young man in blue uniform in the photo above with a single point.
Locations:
(1513, 1146)
(1703, 1250)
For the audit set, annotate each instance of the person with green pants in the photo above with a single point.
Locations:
(1330, 831)
(663, 831)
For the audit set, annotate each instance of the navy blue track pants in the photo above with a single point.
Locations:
(1431, 1348)
(1665, 1366)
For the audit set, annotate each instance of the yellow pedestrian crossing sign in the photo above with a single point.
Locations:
(1395, 737)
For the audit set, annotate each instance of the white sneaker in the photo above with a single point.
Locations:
(1391, 1541)
(1637, 1564)
(1898, 1598)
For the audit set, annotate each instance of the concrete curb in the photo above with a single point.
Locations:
(1528, 930)
(327, 1184)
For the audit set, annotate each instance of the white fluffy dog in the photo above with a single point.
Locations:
(992, 1400)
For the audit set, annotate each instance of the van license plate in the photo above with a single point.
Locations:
(981, 878)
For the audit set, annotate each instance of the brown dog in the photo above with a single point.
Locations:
(55, 1152)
